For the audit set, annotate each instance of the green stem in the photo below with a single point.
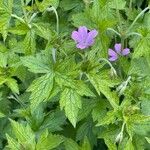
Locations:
(32, 3)
(32, 17)
(106, 62)
(138, 16)
(133, 33)
(17, 99)
(117, 33)
(54, 54)
(24, 11)
(122, 42)
(119, 137)
(122, 129)
(113, 69)
(81, 74)
(118, 14)
(57, 18)
(19, 18)
(123, 86)
(126, 43)
(120, 68)
(130, 5)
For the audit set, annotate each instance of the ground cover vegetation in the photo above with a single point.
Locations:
(74, 74)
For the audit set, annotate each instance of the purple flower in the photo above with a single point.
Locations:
(83, 37)
(114, 54)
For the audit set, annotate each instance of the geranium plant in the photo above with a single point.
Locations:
(74, 74)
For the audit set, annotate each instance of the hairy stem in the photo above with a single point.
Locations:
(24, 11)
(138, 16)
(130, 5)
(112, 30)
(118, 13)
(57, 18)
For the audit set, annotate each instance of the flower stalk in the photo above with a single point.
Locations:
(121, 88)
(119, 137)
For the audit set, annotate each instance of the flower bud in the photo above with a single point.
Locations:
(87, 1)
(113, 72)
(119, 138)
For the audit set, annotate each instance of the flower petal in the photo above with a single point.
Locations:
(117, 47)
(111, 52)
(83, 33)
(113, 58)
(81, 46)
(75, 36)
(90, 39)
(92, 33)
(89, 42)
(125, 51)
(112, 55)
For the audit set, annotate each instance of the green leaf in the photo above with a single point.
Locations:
(100, 110)
(111, 145)
(65, 81)
(117, 4)
(109, 135)
(145, 105)
(68, 5)
(109, 118)
(17, 8)
(71, 145)
(19, 29)
(142, 48)
(138, 118)
(12, 143)
(80, 19)
(29, 44)
(12, 84)
(3, 48)
(139, 142)
(24, 134)
(43, 30)
(27, 1)
(1, 115)
(37, 116)
(148, 140)
(67, 68)
(102, 86)
(5, 13)
(102, 18)
(3, 59)
(102, 15)
(86, 144)
(88, 107)
(146, 20)
(41, 89)
(140, 66)
(42, 6)
(129, 145)
(70, 100)
(36, 64)
(6, 6)
(53, 121)
(49, 141)
(135, 120)
(2, 80)
(20, 72)
(83, 89)
(86, 129)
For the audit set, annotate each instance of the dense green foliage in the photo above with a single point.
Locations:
(55, 96)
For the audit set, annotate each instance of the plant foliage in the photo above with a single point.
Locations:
(56, 96)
